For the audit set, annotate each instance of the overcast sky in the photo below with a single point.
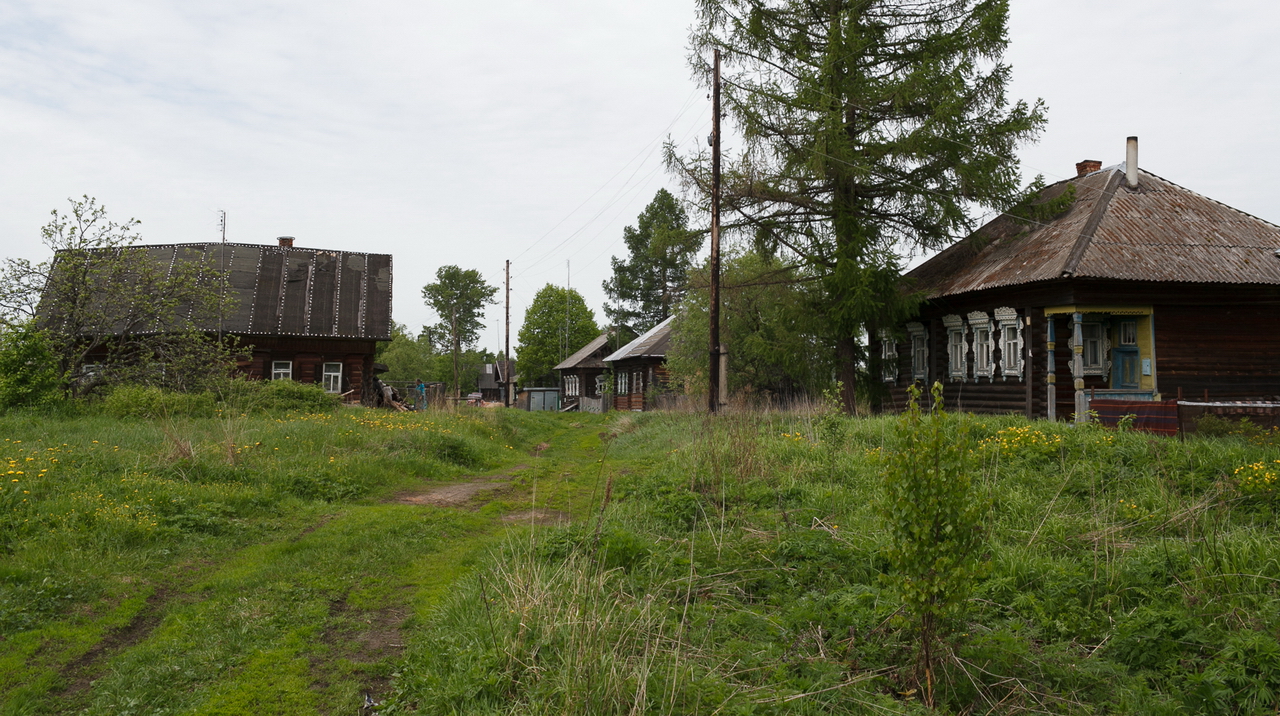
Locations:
(468, 133)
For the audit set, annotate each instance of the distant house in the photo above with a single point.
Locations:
(1138, 289)
(492, 380)
(310, 315)
(582, 376)
(640, 368)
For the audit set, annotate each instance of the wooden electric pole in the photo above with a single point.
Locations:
(713, 374)
(506, 350)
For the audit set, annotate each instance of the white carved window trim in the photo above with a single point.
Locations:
(957, 348)
(1010, 350)
(888, 356)
(1103, 366)
(984, 352)
(623, 388)
(919, 337)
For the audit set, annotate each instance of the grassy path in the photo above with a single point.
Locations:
(306, 621)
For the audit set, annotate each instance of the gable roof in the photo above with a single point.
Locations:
(585, 356)
(1158, 232)
(653, 343)
(293, 291)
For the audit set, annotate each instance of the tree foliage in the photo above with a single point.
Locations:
(556, 325)
(458, 298)
(100, 299)
(413, 358)
(651, 281)
(871, 128)
(27, 367)
(778, 344)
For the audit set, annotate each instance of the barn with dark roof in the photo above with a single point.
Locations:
(1135, 288)
(310, 315)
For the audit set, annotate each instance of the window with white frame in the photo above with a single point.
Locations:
(888, 357)
(332, 377)
(281, 370)
(623, 388)
(599, 385)
(984, 365)
(570, 385)
(919, 351)
(1009, 327)
(1128, 333)
(957, 348)
(1093, 339)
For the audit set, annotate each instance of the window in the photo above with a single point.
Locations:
(1010, 333)
(919, 351)
(888, 357)
(622, 383)
(1128, 333)
(957, 349)
(570, 385)
(281, 370)
(332, 377)
(599, 385)
(1093, 354)
(984, 365)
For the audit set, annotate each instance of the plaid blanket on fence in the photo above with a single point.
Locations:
(1159, 417)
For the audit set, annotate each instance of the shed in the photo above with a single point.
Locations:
(1137, 289)
(640, 367)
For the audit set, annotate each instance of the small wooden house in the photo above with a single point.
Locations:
(1136, 289)
(640, 368)
(582, 376)
(310, 315)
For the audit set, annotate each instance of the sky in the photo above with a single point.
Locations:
(474, 133)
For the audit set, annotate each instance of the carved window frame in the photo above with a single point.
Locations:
(980, 322)
(1010, 351)
(957, 348)
(1103, 366)
(888, 356)
(919, 337)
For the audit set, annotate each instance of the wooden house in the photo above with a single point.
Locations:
(1135, 288)
(310, 315)
(494, 378)
(582, 376)
(640, 368)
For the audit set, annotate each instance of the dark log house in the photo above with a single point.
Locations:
(640, 368)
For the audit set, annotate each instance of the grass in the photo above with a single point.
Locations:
(737, 566)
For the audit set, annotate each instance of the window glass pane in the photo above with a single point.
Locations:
(333, 377)
(1128, 333)
(282, 370)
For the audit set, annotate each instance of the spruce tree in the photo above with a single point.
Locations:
(649, 283)
(873, 129)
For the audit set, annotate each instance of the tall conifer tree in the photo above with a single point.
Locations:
(872, 130)
(647, 285)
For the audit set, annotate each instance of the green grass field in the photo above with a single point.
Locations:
(633, 563)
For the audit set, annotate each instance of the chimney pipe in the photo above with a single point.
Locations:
(286, 241)
(1087, 166)
(1131, 163)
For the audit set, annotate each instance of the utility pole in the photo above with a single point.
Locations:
(564, 347)
(506, 350)
(713, 373)
(222, 268)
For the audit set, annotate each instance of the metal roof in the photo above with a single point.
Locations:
(1158, 232)
(652, 343)
(582, 359)
(292, 291)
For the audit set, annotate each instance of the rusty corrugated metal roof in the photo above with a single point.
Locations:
(293, 291)
(1160, 232)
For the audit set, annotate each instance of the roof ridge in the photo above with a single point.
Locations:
(1209, 198)
(1086, 234)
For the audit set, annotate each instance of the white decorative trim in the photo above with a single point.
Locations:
(957, 370)
(888, 357)
(1104, 369)
(979, 320)
(919, 369)
(1006, 318)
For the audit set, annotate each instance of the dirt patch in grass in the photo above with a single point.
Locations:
(464, 494)
(324, 520)
(538, 517)
(541, 448)
(368, 638)
(80, 671)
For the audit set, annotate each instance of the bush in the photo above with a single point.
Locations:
(278, 395)
(139, 401)
(28, 375)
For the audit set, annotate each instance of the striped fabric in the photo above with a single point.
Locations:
(1152, 416)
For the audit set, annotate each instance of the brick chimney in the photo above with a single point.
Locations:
(285, 241)
(1087, 166)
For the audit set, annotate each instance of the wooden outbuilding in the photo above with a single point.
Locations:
(640, 368)
(1122, 285)
(310, 315)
